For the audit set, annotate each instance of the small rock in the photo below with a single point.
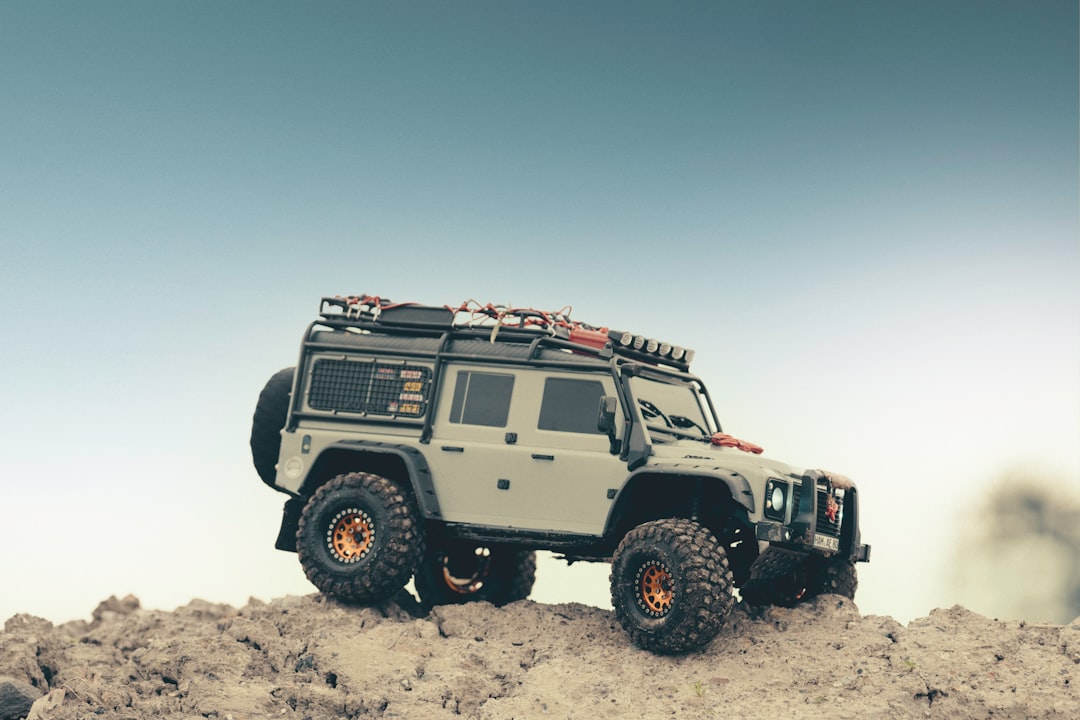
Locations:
(25, 624)
(44, 707)
(114, 609)
(16, 697)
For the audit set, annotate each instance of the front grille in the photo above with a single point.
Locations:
(369, 387)
(825, 526)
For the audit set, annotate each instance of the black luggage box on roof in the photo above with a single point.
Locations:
(426, 315)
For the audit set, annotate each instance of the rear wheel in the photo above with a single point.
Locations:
(359, 538)
(455, 572)
(671, 585)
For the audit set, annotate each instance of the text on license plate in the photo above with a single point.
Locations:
(826, 543)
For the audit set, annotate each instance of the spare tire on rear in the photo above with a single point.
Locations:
(271, 411)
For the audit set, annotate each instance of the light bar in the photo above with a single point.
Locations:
(642, 344)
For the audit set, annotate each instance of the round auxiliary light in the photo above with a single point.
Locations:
(777, 498)
(626, 338)
(665, 349)
(677, 353)
(651, 346)
(689, 357)
(639, 342)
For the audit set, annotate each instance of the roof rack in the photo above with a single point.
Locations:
(373, 313)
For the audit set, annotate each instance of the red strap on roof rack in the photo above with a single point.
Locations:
(725, 440)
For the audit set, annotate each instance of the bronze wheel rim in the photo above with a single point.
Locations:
(653, 589)
(350, 535)
(465, 574)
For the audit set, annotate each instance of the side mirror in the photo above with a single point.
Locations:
(605, 422)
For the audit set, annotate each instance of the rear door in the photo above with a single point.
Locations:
(472, 456)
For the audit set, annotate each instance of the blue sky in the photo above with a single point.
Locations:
(863, 216)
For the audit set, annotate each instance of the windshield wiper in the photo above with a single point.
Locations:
(649, 410)
(685, 423)
(673, 432)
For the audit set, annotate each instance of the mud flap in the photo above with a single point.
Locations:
(290, 520)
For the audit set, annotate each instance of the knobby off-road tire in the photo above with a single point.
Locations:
(671, 585)
(359, 538)
(835, 576)
(271, 411)
(776, 579)
(793, 584)
(454, 572)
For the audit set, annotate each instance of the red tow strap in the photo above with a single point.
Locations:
(725, 440)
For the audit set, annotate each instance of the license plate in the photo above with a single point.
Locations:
(826, 543)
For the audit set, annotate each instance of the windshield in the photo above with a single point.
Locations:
(672, 410)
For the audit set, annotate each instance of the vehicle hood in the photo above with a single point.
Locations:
(706, 455)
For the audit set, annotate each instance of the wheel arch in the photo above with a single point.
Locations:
(403, 464)
(656, 492)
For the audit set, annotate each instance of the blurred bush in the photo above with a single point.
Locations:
(1018, 556)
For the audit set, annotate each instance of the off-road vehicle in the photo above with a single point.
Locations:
(447, 444)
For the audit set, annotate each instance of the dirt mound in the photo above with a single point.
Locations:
(310, 658)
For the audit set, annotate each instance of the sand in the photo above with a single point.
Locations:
(311, 658)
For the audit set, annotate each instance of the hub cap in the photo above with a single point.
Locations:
(350, 535)
(465, 573)
(654, 589)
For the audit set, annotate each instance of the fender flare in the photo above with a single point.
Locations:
(737, 485)
(415, 464)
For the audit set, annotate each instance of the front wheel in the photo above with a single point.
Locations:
(670, 585)
(835, 576)
(359, 538)
(456, 572)
(786, 580)
(777, 578)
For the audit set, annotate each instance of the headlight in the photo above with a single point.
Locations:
(777, 498)
(776, 492)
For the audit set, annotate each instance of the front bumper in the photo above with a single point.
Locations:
(824, 520)
(807, 541)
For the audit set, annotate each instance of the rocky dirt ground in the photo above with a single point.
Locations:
(308, 658)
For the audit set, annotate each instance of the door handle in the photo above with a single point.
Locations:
(537, 456)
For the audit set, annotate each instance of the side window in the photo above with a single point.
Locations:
(571, 405)
(481, 398)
